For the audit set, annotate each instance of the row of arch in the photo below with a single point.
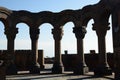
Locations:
(79, 17)
(100, 14)
(24, 28)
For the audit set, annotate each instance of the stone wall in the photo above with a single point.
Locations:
(23, 58)
(69, 61)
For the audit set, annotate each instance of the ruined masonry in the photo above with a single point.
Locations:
(100, 14)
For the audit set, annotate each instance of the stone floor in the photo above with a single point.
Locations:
(47, 75)
(64, 76)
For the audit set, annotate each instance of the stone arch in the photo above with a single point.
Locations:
(22, 17)
(5, 10)
(4, 14)
(44, 17)
(87, 15)
(67, 16)
(19, 17)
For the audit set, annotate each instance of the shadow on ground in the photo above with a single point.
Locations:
(50, 76)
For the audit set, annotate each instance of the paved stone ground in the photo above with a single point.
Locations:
(47, 75)
(64, 76)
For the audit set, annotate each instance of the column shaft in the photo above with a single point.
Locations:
(10, 43)
(102, 68)
(80, 67)
(80, 51)
(116, 40)
(34, 35)
(102, 52)
(35, 51)
(58, 51)
(57, 66)
(11, 34)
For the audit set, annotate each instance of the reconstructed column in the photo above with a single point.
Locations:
(80, 67)
(41, 59)
(102, 68)
(57, 66)
(34, 35)
(11, 34)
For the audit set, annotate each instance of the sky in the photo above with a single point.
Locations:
(46, 41)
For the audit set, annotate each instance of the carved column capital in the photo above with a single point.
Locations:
(79, 32)
(34, 33)
(57, 33)
(11, 32)
(101, 29)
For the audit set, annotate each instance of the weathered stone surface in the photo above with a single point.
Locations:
(99, 12)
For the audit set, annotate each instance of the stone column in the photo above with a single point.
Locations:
(11, 34)
(103, 68)
(34, 35)
(57, 66)
(41, 59)
(116, 41)
(80, 67)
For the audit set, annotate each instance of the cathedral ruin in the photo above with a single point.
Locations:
(100, 14)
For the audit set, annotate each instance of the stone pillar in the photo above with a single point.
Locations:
(57, 66)
(116, 41)
(41, 59)
(34, 35)
(102, 68)
(66, 52)
(80, 67)
(11, 34)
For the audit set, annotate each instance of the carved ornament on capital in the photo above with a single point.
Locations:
(57, 33)
(11, 32)
(34, 33)
(101, 29)
(79, 32)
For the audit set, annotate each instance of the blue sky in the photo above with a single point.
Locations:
(46, 41)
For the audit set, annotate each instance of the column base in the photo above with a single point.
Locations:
(57, 68)
(42, 67)
(35, 69)
(102, 71)
(2, 72)
(117, 75)
(81, 70)
(11, 69)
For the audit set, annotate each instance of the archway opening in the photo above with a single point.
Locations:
(46, 40)
(90, 40)
(46, 43)
(109, 40)
(22, 40)
(69, 47)
(69, 39)
(91, 46)
(22, 47)
(3, 39)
